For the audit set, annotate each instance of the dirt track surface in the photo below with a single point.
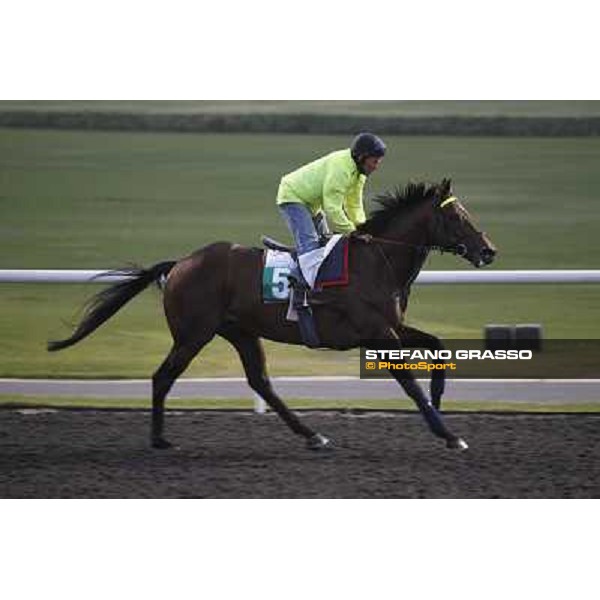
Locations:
(105, 454)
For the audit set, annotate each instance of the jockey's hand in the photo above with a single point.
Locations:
(367, 238)
(324, 238)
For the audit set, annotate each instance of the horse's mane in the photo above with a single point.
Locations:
(392, 204)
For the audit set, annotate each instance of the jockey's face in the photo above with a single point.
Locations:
(371, 163)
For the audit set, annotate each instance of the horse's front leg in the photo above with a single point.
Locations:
(430, 413)
(415, 338)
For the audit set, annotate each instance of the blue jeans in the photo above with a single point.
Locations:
(305, 229)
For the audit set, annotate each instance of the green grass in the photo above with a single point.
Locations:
(17, 401)
(406, 108)
(104, 199)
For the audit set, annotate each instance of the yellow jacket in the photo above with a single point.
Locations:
(331, 184)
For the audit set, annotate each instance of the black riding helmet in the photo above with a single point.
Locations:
(366, 144)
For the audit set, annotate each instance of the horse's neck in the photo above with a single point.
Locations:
(408, 262)
(408, 252)
(408, 268)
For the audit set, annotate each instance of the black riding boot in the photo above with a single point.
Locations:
(300, 303)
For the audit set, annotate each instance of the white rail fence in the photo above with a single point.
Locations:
(571, 276)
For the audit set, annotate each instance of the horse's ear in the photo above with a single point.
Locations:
(446, 186)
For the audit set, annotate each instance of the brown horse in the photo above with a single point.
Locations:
(217, 291)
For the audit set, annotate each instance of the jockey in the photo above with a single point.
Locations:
(327, 194)
(324, 196)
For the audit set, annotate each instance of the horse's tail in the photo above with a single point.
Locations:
(105, 304)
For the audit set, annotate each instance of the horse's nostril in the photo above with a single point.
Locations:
(488, 254)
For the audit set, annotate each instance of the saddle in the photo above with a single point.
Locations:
(272, 244)
(327, 266)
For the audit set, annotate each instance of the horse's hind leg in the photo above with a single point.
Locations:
(172, 367)
(252, 355)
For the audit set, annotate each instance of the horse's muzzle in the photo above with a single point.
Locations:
(488, 255)
(484, 257)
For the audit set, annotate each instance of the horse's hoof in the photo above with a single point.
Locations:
(319, 442)
(161, 444)
(457, 444)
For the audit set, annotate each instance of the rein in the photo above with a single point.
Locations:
(395, 242)
(418, 246)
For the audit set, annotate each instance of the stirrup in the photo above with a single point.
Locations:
(300, 291)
